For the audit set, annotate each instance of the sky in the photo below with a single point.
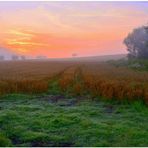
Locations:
(59, 29)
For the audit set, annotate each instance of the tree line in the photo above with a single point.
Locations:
(137, 43)
(13, 57)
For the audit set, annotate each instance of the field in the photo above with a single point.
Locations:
(72, 103)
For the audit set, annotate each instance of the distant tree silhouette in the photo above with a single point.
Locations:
(41, 57)
(2, 58)
(23, 57)
(74, 55)
(14, 57)
(137, 43)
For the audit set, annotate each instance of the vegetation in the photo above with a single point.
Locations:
(28, 76)
(135, 64)
(60, 104)
(97, 79)
(30, 120)
(137, 43)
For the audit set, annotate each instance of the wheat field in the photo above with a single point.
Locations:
(95, 78)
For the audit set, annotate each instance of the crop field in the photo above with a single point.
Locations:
(95, 78)
(28, 76)
(72, 103)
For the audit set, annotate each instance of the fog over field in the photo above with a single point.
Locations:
(7, 54)
(73, 74)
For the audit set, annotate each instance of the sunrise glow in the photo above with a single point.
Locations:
(58, 29)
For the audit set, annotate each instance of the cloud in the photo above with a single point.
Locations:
(65, 26)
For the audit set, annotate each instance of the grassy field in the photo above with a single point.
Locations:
(51, 103)
(27, 120)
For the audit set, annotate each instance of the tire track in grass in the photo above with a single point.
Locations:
(55, 92)
(66, 86)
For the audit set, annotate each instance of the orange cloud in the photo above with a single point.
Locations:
(57, 33)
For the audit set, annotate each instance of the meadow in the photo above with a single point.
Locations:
(72, 103)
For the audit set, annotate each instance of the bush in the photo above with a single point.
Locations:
(4, 141)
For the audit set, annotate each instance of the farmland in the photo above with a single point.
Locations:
(72, 103)
(95, 78)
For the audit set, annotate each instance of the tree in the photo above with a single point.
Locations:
(74, 55)
(15, 57)
(42, 57)
(137, 43)
(23, 57)
(2, 58)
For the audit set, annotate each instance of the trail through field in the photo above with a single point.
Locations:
(74, 74)
(70, 112)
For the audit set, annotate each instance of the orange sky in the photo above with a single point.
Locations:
(58, 29)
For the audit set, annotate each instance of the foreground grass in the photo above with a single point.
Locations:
(38, 121)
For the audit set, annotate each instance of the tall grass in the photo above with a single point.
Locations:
(28, 76)
(97, 79)
(101, 79)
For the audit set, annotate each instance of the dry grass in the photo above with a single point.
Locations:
(28, 76)
(112, 82)
(99, 79)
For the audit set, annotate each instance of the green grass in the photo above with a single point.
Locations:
(27, 120)
(135, 64)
